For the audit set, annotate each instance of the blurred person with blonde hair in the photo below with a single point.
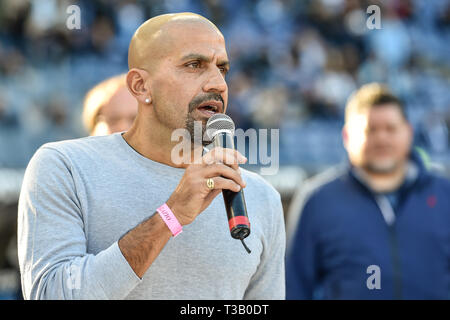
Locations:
(377, 228)
(109, 107)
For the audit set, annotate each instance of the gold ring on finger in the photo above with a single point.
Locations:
(210, 183)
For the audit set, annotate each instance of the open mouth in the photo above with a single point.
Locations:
(210, 108)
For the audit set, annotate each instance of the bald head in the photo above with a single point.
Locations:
(178, 63)
(154, 39)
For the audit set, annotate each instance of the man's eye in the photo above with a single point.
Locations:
(193, 65)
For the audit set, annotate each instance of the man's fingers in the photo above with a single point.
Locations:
(223, 183)
(219, 169)
(227, 156)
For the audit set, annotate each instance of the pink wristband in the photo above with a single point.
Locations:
(170, 219)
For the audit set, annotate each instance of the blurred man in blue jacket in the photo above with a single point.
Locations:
(378, 228)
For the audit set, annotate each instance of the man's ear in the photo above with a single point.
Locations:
(137, 85)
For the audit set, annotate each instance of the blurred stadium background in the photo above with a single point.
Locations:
(294, 63)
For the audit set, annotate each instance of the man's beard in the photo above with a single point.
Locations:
(190, 121)
(190, 125)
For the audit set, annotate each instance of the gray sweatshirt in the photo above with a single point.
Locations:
(80, 196)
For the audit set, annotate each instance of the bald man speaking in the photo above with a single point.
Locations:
(115, 217)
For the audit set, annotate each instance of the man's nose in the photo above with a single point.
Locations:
(216, 82)
(383, 135)
(382, 139)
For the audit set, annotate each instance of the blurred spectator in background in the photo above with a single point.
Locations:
(378, 229)
(109, 107)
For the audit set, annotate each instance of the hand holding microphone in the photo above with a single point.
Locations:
(193, 195)
(219, 171)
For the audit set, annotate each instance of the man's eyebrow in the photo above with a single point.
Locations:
(201, 57)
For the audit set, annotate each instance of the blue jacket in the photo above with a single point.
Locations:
(343, 236)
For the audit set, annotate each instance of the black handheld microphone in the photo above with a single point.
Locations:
(220, 130)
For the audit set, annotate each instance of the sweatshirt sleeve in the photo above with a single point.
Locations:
(268, 283)
(52, 245)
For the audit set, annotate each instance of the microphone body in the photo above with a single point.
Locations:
(234, 201)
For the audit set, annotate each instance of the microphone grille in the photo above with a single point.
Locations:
(219, 123)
